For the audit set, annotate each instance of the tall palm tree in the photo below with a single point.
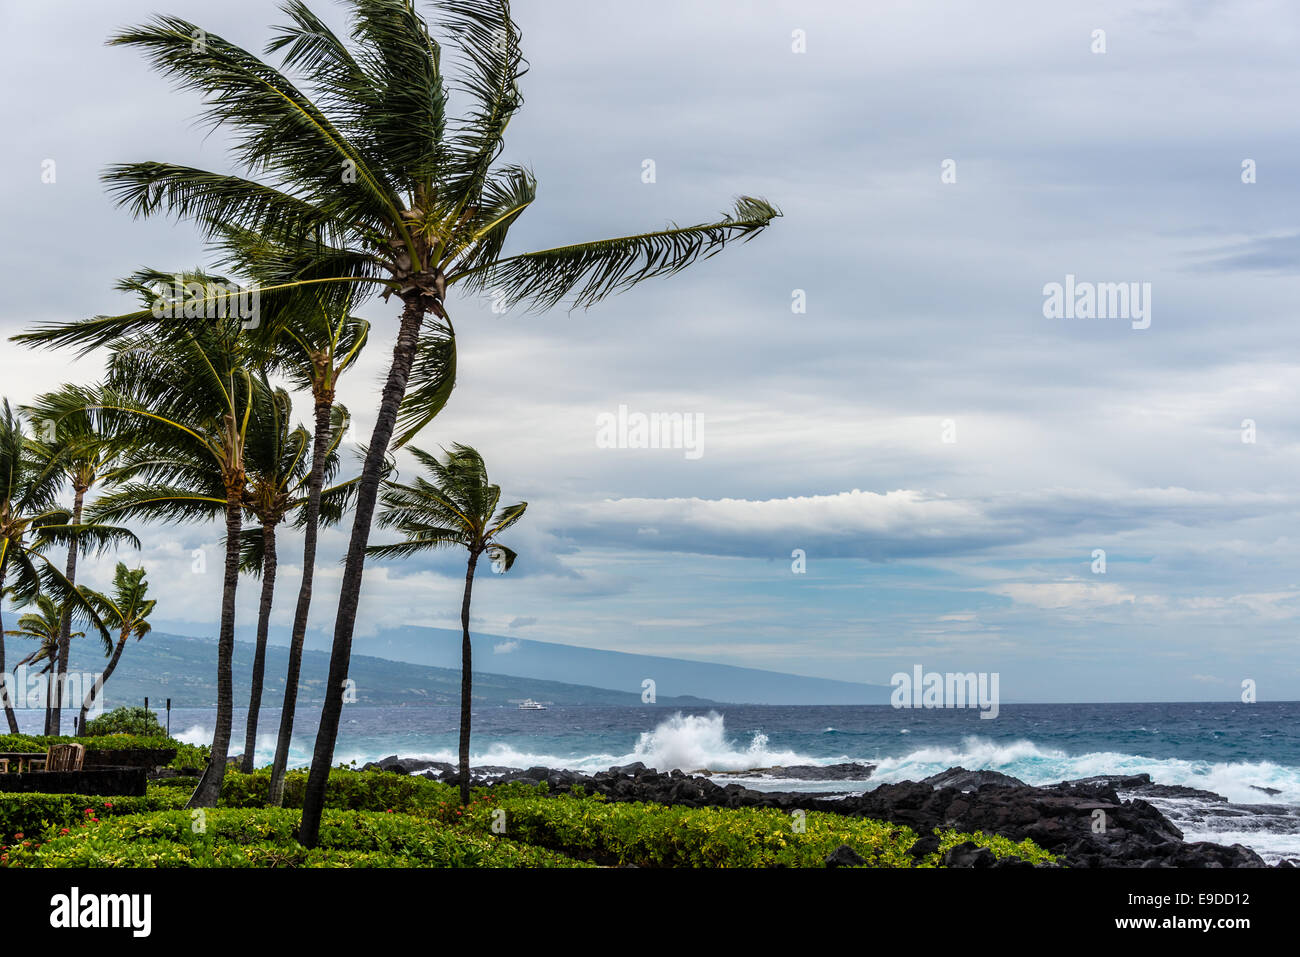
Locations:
(73, 443)
(30, 521)
(278, 478)
(192, 401)
(455, 508)
(360, 169)
(126, 611)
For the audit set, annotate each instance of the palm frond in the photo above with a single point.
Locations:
(429, 388)
(585, 273)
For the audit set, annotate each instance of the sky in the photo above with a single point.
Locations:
(904, 458)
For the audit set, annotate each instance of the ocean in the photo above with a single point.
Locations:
(1233, 750)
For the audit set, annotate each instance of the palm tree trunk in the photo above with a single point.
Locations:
(408, 338)
(320, 448)
(466, 679)
(98, 686)
(9, 689)
(209, 789)
(54, 714)
(269, 563)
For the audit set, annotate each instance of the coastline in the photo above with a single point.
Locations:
(1101, 821)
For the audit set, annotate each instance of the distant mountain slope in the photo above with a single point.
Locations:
(520, 657)
(184, 669)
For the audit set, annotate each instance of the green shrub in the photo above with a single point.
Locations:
(34, 815)
(138, 721)
(653, 835)
(116, 742)
(1000, 846)
(266, 838)
(350, 790)
(190, 757)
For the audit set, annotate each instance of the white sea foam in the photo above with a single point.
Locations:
(1033, 764)
(685, 742)
(696, 741)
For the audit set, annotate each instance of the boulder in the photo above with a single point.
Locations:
(844, 856)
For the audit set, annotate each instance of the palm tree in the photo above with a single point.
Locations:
(455, 508)
(366, 176)
(277, 473)
(46, 626)
(30, 520)
(73, 444)
(191, 401)
(126, 611)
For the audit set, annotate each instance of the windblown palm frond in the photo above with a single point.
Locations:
(586, 273)
(456, 506)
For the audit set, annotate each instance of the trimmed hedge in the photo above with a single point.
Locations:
(655, 835)
(35, 814)
(32, 743)
(266, 838)
(349, 790)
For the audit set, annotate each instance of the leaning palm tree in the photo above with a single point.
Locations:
(279, 474)
(455, 508)
(72, 442)
(126, 611)
(355, 164)
(30, 521)
(191, 400)
(45, 625)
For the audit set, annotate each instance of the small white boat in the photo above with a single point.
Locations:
(530, 705)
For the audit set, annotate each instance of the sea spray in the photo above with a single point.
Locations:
(699, 742)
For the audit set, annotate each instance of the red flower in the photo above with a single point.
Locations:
(18, 836)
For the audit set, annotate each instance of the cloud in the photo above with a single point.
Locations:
(1067, 594)
(901, 524)
(505, 647)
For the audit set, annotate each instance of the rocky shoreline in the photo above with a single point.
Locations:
(1086, 821)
